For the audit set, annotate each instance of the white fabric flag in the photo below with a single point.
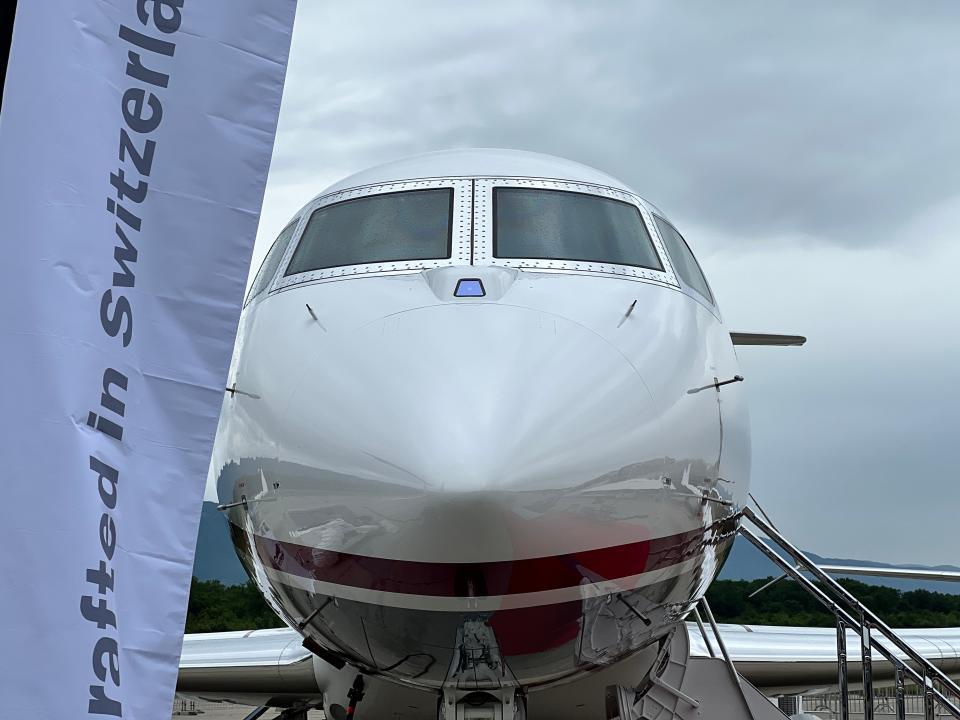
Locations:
(135, 139)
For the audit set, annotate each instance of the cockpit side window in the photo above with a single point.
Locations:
(563, 225)
(390, 227)
(268, 268)
(684, 262)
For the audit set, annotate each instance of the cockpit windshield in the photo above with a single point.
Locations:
(390, 227)
(681, 256)
(562, 225)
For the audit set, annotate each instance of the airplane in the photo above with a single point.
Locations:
(484, 447)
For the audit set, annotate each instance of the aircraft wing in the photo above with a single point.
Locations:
(781, 660)
(894, 572)
(271, 667)
(249, 667)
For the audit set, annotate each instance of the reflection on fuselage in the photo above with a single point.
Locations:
(514, 487)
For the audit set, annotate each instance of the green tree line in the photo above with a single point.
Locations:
(786, 603)
(215, 607)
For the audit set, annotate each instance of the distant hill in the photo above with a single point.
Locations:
(216, 560)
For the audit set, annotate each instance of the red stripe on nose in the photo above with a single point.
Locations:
(504, 577)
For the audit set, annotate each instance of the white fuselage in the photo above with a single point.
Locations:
(510, 489)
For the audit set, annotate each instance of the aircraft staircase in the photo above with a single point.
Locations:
(692, 688)
(710, 688)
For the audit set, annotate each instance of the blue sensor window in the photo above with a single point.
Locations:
(469, 287)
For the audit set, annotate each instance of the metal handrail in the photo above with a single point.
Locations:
(861, 620)
(735, 676)
(844, 621)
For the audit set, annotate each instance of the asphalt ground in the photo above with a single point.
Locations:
(185, 710)
(825, 710)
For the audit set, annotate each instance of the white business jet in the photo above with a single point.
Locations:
(484, 448)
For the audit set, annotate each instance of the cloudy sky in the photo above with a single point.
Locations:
(810, 152)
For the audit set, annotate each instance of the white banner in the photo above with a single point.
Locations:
(135, 139)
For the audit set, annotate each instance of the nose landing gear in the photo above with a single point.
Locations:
(354, 696)
(506, 704)
(478, 678)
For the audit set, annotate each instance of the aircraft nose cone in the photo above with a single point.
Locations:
(459, 433)
(464, 398)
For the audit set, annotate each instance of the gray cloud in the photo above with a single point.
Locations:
(855, 435)
(808, 150)
(835, 122)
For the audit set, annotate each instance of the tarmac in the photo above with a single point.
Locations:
(187, 709)
(824, 708)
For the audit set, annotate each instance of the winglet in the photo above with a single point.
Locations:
(744, 338)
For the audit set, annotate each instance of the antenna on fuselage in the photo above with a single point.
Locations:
(627, 314)
(314, 316)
